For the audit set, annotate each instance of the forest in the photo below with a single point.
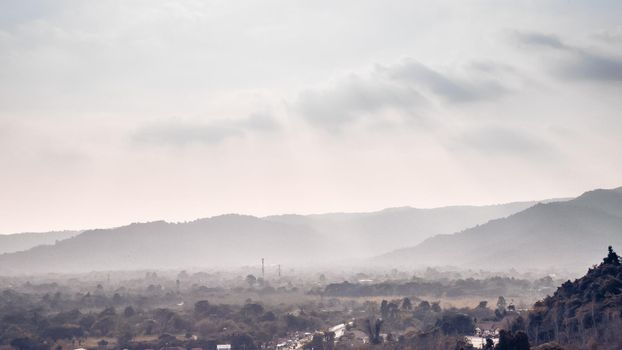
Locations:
(429, 310)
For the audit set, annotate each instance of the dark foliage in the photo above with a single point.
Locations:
(582, 313)
(510, 341)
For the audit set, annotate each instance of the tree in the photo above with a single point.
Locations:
(521, 341)
(129, 312)
(612, 258)
(103, 326)
(109, 311)
(268, 316)
(201, 308)
(251, 310)
(167, 340)
(509, 341)
(505, 340)
(66, 331)
(27, 343)
(317, 342)
(374, 331)
(501, 304)
(329, 337)
(424, 306)
(393, 311)
(251, 280)
(389, 310)
(242, 341)
(456, 324)
(518, 324)
(163, 317)
(123, 341)
(436, 306)
(102, 344)
(297, 323)
(384, 309)
(407, 304)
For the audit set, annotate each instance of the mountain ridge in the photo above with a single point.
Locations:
(581, 225)
(405, 222)
(25, 240)
(235, 239)
(135, 246)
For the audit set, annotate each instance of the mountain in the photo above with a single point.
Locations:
(561, 235)
(236, 240)
(368, 234)
(22, 241)
(219, 241)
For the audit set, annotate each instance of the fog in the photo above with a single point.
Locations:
(295, 175)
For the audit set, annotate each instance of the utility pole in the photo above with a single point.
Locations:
(263, 271)
(279, 270)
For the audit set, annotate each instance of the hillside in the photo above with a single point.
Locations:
(237, 240)
(368, 234)
(22, 241)
(585, 312)
(534, 238)
(223, 240)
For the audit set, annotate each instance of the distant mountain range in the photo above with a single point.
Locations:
(236, 240)
(562, 235)
(23, 241)
(367, 234)
(227, 240)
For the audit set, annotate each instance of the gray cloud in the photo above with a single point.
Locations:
(612, 36)
(177, 132)
(417, 74)
(576, 63)
(397, 87)
(540, 39)
(451, 89)
(587, 66)
(356, 98)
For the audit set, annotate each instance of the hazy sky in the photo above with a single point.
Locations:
(121, 111)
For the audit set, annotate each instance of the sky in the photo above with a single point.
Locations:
(114, 112)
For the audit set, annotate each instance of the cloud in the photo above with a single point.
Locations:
(451, 89)
(588, 66)
(540, 39)
(404, 88)
(576, 63)
(178, 132)
(611, 36)
(355, 98)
